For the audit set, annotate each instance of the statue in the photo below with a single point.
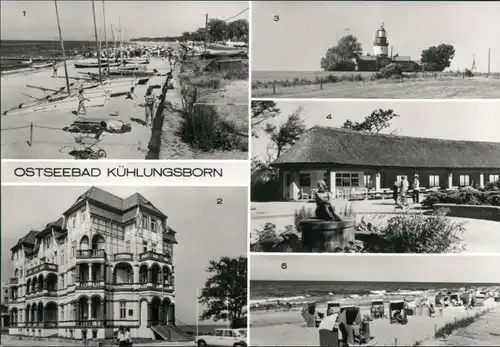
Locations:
(324, 209)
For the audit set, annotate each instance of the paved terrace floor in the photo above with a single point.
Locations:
(52, 143)
(480, 236)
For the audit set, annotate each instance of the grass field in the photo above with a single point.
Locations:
(354, 84)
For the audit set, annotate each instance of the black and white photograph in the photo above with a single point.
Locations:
(124, 79)
(375, 176)
(327, 300)
(376, 49)
(105, 266)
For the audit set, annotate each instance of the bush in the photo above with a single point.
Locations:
(468, 73)
(344, 65)
(462, 197)
(303, 213)
(492, 186)
(390, 71)
(416, 233)
(204, 129)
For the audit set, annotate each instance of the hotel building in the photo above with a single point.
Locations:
(107, 262)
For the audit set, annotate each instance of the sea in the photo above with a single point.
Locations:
(266, 291)
(26, 49)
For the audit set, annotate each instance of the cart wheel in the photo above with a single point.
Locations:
(101, 153)
(94, 156)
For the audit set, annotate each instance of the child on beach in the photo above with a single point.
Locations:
(54, 69)
(81, 103)
(150, 98)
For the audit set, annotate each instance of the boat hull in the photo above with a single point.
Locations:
(68, 104)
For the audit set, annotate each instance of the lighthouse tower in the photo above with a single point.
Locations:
(380, 44)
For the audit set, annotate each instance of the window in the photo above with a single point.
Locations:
(82, 216)
(464, 180)
(62, 257)
(62, 313)
(130, 313)
(127, 246)
(73, 249)
(123, 310)
(305, 180)
(144, 246)
(493, 178)
(153, 247)
(62, 281)
(347, 179)
(73, 276)
(433, 180)
(144, 222)
(367, 180)
(228, 333)
(219, 332)
(288, 179)
(73, 221)
(168, 248)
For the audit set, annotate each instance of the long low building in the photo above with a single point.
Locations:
(350, 160)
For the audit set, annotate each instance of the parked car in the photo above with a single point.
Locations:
(223, 337)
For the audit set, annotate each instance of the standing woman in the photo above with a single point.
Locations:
(150, 98)
(122, 337)
(128, 335)
(395, 189)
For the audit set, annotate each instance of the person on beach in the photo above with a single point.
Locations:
(54, 69)
(81, 102)
(416, 190)
(131, 94)
(324, 209)
(150, 99)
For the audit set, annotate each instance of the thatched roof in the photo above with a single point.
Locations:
(326, 145)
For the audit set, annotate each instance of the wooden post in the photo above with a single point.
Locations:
(395, 341)
(30, 142)
(435, 75)
(321, 85)
(274, 89)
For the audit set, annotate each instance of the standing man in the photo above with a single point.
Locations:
(54, 69)
(416, 190)
(404, 190)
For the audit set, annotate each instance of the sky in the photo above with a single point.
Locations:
(306, 29)
(376, 268)
(138, 18)
(205, 230)
(457, 120)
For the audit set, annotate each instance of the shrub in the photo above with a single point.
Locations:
(303, 213)
(344, 65)
(468, 73)
(492, 186)
(390, 70)
(462, 197)
(204, 129)
(416, 233)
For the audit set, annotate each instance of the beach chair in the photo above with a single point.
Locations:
(377, 310)
(332, 307)
(397, 312)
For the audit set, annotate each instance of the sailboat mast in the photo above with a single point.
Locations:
(97, 44)
(114, 40)
(197, 313)
(62, 48)
(121, 38)
(105, 37)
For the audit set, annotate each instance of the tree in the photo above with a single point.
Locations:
(238, 30)
(374, 123)
(287, 133)
(225, 292)
(217, 29)
(261, 111)
(437, 58)
(347, 49)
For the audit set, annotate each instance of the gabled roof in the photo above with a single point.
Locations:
(27, 240)
(326, 145)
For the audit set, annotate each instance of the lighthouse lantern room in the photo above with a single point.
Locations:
(380, 44)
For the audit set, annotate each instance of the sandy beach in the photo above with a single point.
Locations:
(280, 328)
(49, 140)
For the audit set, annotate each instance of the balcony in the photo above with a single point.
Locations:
(90, 285)
(123, 286)
(123, 256)
(42, 267)
(157, 287)
(155, 256)
(14, 280)
(91, 324)
(91, 254)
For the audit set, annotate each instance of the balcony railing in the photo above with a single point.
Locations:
(155, 256)
(42, 267)
(91, 253)
(90, 284)
(123, 256)
(123, 285)
(91, 323)
(14, 280)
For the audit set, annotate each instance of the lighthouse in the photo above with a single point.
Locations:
(380, 44)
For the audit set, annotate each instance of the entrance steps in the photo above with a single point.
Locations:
(171, 333)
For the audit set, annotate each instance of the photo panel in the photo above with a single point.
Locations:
(94, 82)
(375, 49)
(373, 300)
(102, 263)
(375, 177)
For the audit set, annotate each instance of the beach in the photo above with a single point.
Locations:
(283, 328)
(48, 138)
